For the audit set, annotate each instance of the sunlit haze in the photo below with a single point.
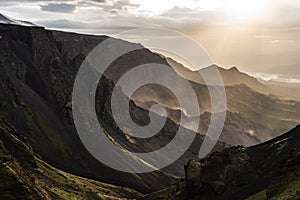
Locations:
(256, 36)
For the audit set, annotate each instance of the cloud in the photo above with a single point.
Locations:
(59, 7)
(190, 14)
(100, 1)
(114, 23)
(277, 77)
(114, 12)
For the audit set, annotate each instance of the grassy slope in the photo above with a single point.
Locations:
(292, 190)
(25, 176)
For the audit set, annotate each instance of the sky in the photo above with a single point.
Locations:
(261, 36)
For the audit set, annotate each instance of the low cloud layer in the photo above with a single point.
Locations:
(274, 13)
(59, 7)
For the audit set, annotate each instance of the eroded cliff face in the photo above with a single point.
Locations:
(266, 171)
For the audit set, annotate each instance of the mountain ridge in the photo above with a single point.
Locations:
(233, 76)
(7, 20)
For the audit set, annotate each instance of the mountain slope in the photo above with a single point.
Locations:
(36, 84)
(267, 116)
(263, 116)
(25, 176)
(38, 69)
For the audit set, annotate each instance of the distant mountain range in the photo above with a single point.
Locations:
(233, 77)
(256, 110)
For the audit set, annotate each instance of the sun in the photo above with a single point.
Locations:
(241, 10)
(234, 10)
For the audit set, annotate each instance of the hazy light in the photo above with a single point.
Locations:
(245, 10)
(235, 9)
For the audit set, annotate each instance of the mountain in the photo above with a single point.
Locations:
(266, 171)
(265, 114)
(254, 116)
(262, 116)
(233, 77)
(38, 69)
(7, 20)
(230, 76)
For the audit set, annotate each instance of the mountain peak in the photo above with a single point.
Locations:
(234, 68)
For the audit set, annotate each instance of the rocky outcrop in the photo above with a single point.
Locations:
(269, 169)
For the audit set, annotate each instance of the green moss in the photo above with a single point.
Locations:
(194, 172)
(258, 196)
(63, 185)
(291, 190)
(230, 175)
(46, 137)
(62, 194)
(10, 187)
(53, 138)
